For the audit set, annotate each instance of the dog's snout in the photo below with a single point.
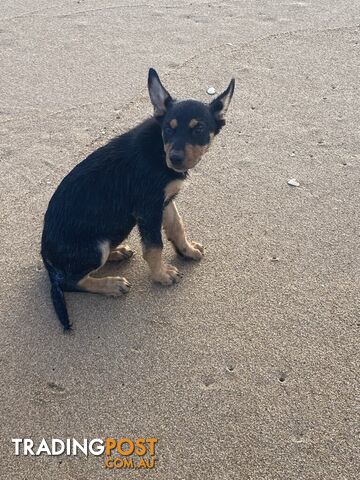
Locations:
(177, 157)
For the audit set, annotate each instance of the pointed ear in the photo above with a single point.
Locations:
(220, 105)
(159, 96)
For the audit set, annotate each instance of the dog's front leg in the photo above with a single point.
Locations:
(175, 232)
(152, 245)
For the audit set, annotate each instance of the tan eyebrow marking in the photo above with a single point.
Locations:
(193, 123)
(173, 123)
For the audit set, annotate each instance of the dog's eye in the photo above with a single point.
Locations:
(168, 131)
(200, 128)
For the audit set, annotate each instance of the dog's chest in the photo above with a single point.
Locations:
(172, 189)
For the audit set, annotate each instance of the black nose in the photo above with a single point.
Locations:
(177, 157)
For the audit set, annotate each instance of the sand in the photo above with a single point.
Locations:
(247, 369)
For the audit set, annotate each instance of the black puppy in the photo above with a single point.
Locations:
(132, 180)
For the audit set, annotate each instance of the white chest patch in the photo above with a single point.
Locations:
(105, 250)
(172, 189)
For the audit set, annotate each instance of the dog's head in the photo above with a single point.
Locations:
(188, 126)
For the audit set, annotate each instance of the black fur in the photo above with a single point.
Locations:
(118, 186)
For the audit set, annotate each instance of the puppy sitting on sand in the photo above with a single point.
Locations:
(133, 180)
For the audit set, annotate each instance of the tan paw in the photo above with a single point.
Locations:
(123, 252)
(168, 275)
(194, 250)
(116, 286)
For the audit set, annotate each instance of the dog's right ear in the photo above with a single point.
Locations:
(159, 96)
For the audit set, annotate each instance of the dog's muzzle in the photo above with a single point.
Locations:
(177, 159)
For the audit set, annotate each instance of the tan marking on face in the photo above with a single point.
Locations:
(173, 123)
(172, 188)
(193, 153)
(193, 123)
(167, 149)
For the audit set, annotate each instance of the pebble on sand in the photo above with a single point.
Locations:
(293, 182)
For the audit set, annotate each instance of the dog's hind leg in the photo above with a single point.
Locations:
(112, 286)
(175, 232)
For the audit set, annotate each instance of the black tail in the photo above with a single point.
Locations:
(57, 295)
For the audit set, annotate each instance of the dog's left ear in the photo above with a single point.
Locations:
(220, 105)
(159, 96)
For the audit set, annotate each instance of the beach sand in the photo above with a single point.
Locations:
(248, 368)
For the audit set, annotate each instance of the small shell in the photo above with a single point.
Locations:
(211, 91)
(293, 182)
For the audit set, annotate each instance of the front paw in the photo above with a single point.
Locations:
(167, 275)
(193, 251)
